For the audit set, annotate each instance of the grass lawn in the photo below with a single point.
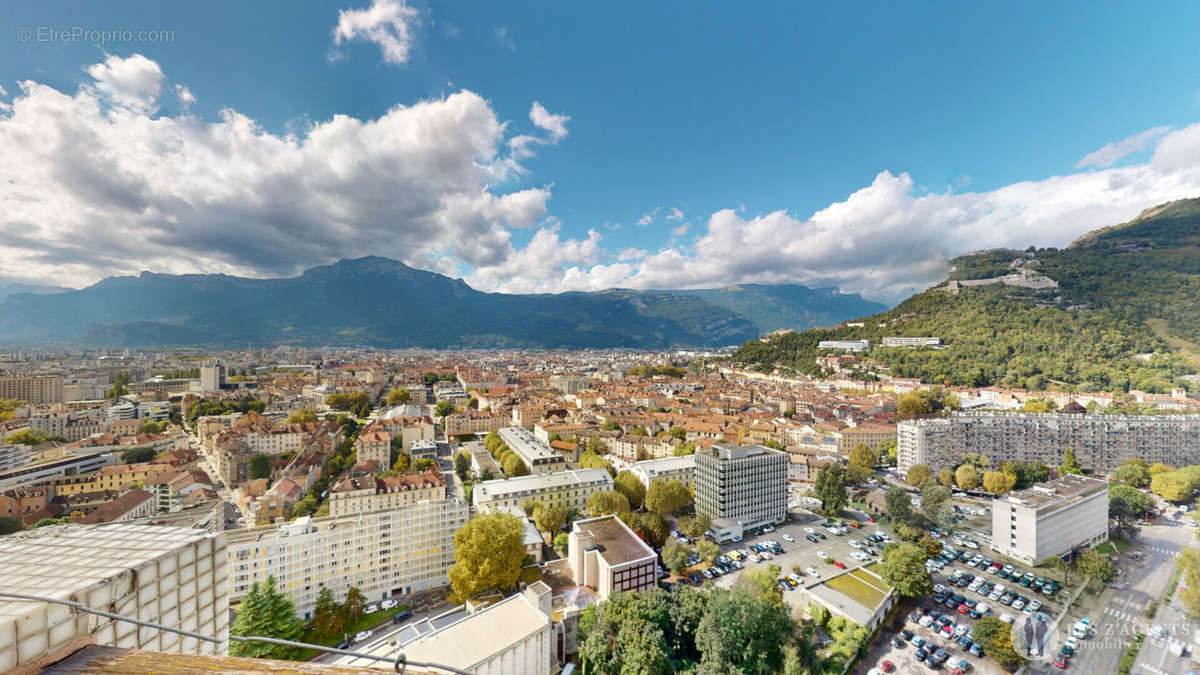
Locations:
(862, 588)
(362, 623)
(1113, 545)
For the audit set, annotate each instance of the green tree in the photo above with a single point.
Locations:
(899, 504)
(515, 466)
(685, 449)
(760, 582)
(560, 543)
(996, 638)
(998, 482)
(918, 475)
(1096, 566)
(488, 553)
(9, 525)
(152, 427)
(742, 633)
(1133, 474)
(629, 485)
(402, 462)
(861, 464)
(924, 402)
(462, 466)
(549, 519)
(966, 477)
(945, 477)
(888, 451)
(398, 397)
(260, 466)
(28, 437)
(529, 505)
(1069, 464)
(694, 526)
(604, 502)
(933, 498)
(8, 407)
(904, 568)
(119, 387)
(265, 612)
(327, 619)
(355, 602)
(444, 408)
(1135, 500)
(590, 460)
(138, 455)
(1189, 590)
(675, 555)
(830, 487)
(301, 416)
(666, 497)
(348, 400)
(653, 528)
(707, 550)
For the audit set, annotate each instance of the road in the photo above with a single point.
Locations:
(1170, 623)
(1119, 613)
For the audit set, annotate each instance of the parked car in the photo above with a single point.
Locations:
(788, 537)
(388, 604)
(362, 635)
(371, 609)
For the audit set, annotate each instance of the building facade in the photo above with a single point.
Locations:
(382, 553)
(741, 487)
(605, 555)
(537, 455)
(569, 489)
(682, 469)
(1101, 443)
(1050, 519)
(370, 493)
(35, 389)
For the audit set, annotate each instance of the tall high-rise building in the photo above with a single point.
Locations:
(741, 487)
(212, 376)
(36, 389)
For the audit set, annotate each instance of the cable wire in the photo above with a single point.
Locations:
(399, 662)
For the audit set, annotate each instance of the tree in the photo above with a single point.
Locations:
(918, 475)
(1096, 566)
(998, 482)
(946, 477)
(1158, 467)
(265, 612)
(9, 525)
(1069, 464)
(1189, 590)
(904, 568)
(398, 397)
(653, 528)
(515, 466)
(707, 550)
(924, 402)
(1172, 486)
(529, 505)
(861, 464)
(462, 466)
(488, 553)
(996, 638)
(665, 497)
(402, 463)
(694, 527)
(549, 519)
(118, 388)
(444, 408)
(561, 541)
(675, 555)
(355, 602)
(685, 449)
(349, 400)
(888, 451)
(138, 455)
(759, 582)
(830, 487)
(1135, 500)
(327, 619)
(590, 460)
(260, 466)
(28, 437)
(301, 416)
(604, 502)
(629, 485)
(966, 477)
(933, 498)
(152, 427)
(1133, 473)
(899, 504)
(743, 633)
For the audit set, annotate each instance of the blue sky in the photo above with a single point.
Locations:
(800, 142)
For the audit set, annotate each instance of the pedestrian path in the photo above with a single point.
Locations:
(1120, 613)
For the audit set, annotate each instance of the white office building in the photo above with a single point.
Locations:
(1050, 519)
(569, 489)
(682, 469)
(537, 455)
(741, 487)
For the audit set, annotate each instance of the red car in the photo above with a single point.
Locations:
(1061, 661)
(855, 525)
(963, 609)
(840, 564)
(870, 519)
(887, 666)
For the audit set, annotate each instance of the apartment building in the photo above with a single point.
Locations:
(366, 493)
(837, 438)
(605, 555)
(682, 469)
(374, 444)
(740, 487)
(382, 553)
(75, 465)
(537, 455)
(13, 456)
(35, 389)
(848, 345)
(639, 448)
(409, 430)
(1101, 443)
(912, 342)
(475, 422)
(120, 477)
(1050, 519)
(72, 426)
(212, 377)
(569, 489)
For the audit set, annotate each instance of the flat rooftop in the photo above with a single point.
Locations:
(618, 544)
(493, 488)
(1056, 493)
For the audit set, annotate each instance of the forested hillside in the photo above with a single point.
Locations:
(1126, 315)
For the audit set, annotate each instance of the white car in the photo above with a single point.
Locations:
(812, 572)
(388, 604)
(855, 544)
(753, 557)
(362, 635)
(370, 609)
(925, 620)
(765, 556)
(796, 578)
(860, 556)
(938, 588)
(788, 537)
(821, 555)
(810, 530)
(1072, 642)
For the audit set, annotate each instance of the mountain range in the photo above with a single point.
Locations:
(378, 302)
(1118, 309)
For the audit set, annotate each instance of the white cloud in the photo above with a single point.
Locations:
(185, 95)
(1113, 152)
(890, 238)
(681, 230)
(88, 189)
(556, 125)
(388, 23)
(132, 83)
(3, 91)
(625, 255)
(647, 218)
(675, 215)
(504, 38)
(538, 267)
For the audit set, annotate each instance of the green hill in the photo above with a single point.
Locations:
(1125, 315)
